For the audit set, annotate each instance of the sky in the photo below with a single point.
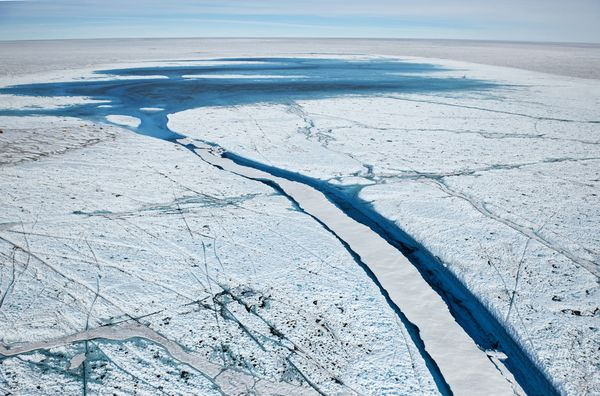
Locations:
(520, 20)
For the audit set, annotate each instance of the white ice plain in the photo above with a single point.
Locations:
(174, 276)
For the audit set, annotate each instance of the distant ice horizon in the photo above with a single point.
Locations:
(580, 60)
(318, 38)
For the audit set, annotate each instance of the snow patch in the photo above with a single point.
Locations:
(151, 109)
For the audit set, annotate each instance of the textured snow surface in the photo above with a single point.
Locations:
(503, 187)
(174, 276)
(30, 138)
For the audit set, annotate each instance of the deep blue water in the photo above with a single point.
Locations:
(320, 78)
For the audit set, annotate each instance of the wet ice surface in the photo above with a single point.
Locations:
(497, 180)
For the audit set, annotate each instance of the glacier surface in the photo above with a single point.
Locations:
(166, 273)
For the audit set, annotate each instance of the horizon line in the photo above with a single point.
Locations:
(595, 43)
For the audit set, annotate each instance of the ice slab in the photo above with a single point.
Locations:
(124, 120)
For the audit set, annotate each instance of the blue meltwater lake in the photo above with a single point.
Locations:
(235, 81)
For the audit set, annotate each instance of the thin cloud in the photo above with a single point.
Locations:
(551, 20)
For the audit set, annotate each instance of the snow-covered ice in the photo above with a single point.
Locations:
(151, 109)
(221, 266)
(137, 254)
